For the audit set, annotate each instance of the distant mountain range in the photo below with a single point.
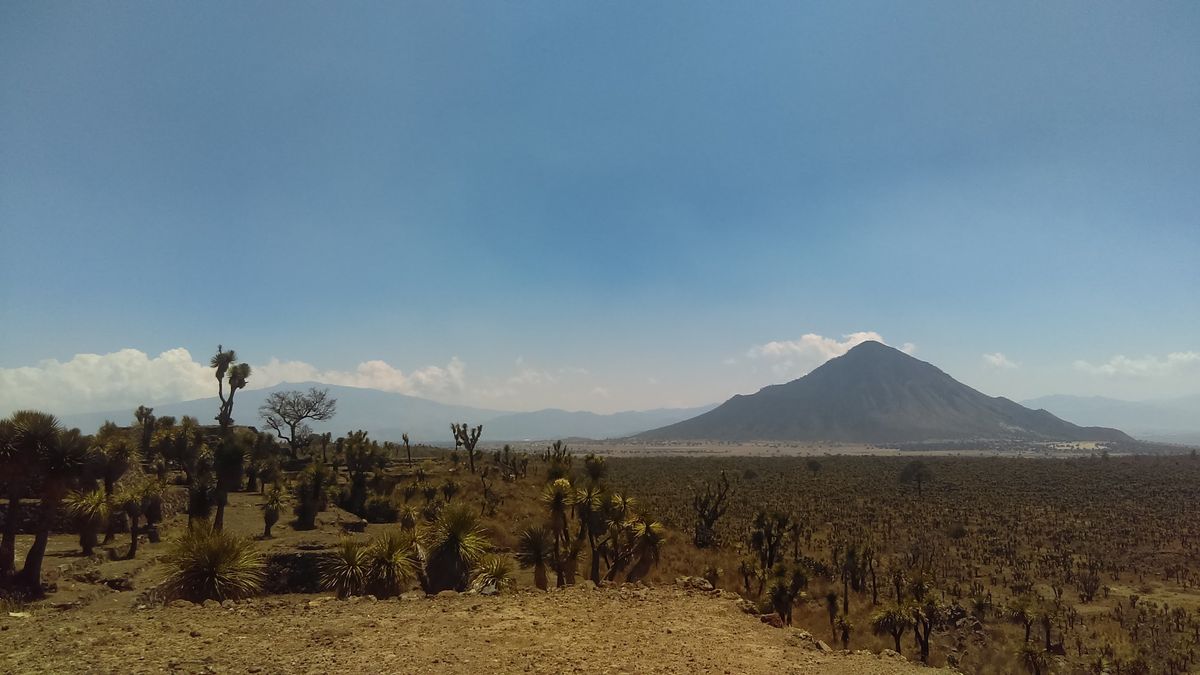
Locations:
(387, 415)
(875, 394)
(1174, 420)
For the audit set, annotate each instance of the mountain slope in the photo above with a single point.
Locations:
(875, 394)
(553, 423)
(387, 415)
(1168, 420)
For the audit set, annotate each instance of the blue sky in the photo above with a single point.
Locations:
(597, 205)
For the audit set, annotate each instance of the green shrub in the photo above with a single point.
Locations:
(453, 546)
(208, 564)
(382, 565)
(494, 573)
(380, 510)
(393, 563)
(347, 570)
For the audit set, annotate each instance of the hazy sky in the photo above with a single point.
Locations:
(596, 205)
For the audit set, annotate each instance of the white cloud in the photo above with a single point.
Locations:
(1147, 366)
(532, 376)
(998, 360)
(600, 391)
(795, 357)
(91, 382)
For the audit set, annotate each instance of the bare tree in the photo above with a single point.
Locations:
(288, 410)
(709, 506)
(467, 437)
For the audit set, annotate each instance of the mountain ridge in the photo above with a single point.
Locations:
(387, 415)
(875, 394)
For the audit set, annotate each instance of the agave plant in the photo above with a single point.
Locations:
(535, 548)
(208, 564)
(453, 545)
(494, 573)
(348, 569)
(408, 516)
(392, 563)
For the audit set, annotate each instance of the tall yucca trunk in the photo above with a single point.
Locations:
(539, 576)
(31, 572)
(8, 545)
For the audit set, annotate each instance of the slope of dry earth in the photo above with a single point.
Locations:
(612, 630)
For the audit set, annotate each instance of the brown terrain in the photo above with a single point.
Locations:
(104, 618)
(616, 630)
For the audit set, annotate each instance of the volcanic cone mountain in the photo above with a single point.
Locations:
(876, 394)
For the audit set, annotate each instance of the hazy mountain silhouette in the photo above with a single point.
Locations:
(1175, 420)
(387, 415)
(875, 394)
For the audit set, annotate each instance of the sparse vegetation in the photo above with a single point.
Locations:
(208, 564)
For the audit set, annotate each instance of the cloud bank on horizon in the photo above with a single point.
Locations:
(129, 377)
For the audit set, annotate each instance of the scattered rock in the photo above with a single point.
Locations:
(587, 585)
(447, 594)
(771, 619)
(694, 583)
(211, 604)
(121, 583)
(824, 647)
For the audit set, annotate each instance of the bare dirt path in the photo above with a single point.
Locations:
(616, 630)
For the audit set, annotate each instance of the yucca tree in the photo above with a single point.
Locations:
(229, 461)
(535, 548)
(451, 546)
(228, 370)
(1032, 658)
(468, 438)
(786, 586)
(831, 606)
(272, 507)
(559, 498)
(363, 456)
(927, 616)
(1022, 611)
(90, 509)
(646, 541)
(146, 421)
(58, 457)
(892, 620)
(139, 497)
(14, 468)
(592, 507)
(113, 452)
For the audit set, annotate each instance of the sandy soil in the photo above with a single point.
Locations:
(612, 630)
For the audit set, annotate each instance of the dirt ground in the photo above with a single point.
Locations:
(611, 630)
(100, 620)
